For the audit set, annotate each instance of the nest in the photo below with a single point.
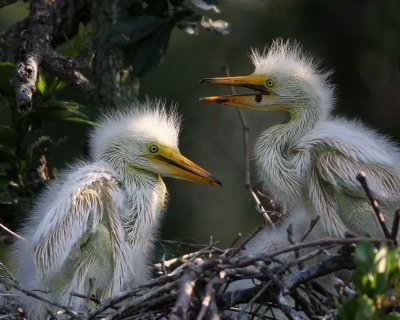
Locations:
(214, 283)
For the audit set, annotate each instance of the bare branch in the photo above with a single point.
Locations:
(34, 38)
(362, 178)
(395, 226)
(10, 231)
(208, 297)
(186, 286)
(68, 70)
(35, 35)
(68, 311)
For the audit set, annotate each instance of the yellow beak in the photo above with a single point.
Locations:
(257, 101)
(178, 166)
(256, 82)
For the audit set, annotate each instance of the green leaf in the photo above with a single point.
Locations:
(38, 142)
(348, 309)
(366, 308)
(151, 50)
(382, 269)
(130, 31)
(364, 255)
(41, 83)
(6, 71)
(81, 30)
(66, 111)
(8, 136)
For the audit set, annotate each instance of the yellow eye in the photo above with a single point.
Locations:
(269, 83)
(153, 148)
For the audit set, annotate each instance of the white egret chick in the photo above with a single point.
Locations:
(311, 162)
(92, 230)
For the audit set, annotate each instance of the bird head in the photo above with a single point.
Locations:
(284, 79)
(145, 139)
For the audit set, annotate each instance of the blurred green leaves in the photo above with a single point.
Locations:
(145, 34)
(377, 283)
(22, 140)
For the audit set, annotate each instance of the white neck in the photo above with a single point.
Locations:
(276, 157)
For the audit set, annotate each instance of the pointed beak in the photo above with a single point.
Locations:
(247, 101)
(255, 82)
(180, 167)
(254, 101)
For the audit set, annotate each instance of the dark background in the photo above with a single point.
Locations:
(359, 40)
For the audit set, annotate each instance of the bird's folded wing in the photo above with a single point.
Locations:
(332, 175)
(72, 215)
(340, 171)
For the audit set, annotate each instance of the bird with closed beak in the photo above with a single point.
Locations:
(93, 228)
(311, 162)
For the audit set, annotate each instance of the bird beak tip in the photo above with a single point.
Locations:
(216, 99)
(205, 80)
(216, 182)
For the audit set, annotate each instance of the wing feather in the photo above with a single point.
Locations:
(340, 171)
(70, 213)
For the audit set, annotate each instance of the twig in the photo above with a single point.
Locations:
(186, 286)
(8, 272)
(243, 261)
(208, 297)
(196, 255)
(68, 311)
(140, 301)
(332, 264)
(180, 243)
(11, 232)
(253, 300)
(312, 225)
(395, 226)
(249, 186)
(362, 178)
(86, 297)
(68, 69)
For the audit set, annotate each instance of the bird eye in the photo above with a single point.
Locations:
(270, 83)
(153, 148)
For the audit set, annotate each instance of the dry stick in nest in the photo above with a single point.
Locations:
(362, 178)
(73, 314)
(209, 298)
(249, 186)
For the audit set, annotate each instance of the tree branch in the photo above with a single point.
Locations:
(32, 39)
(362, 178)
(35, 37)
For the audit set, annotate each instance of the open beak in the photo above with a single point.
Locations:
(180, 167)
(256, 82)
(254, 101)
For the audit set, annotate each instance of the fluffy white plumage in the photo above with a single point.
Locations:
(312, 160)
(310, 163)
(99, 219)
